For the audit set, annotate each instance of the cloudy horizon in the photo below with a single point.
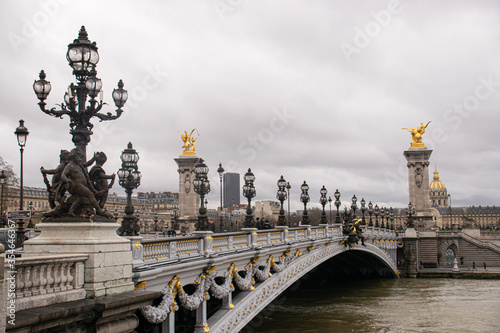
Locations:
(316, 91)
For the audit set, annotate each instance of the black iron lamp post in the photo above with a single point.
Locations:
(3, 179)
(377, 212)
(281, 196)
(330, 202)
(220, 171)
(382, 215)
(304, 197)
(370, 211)
(391, 217)
(129, 178)
(249, 193)
(409, 212)
(323, 200)
(22, 134)
(337, 204)
(32, 212)
(354, 206)
(288, 187)
(83, 57)
(363, 210)
(201, 186)
(387, 216)
(451, 216)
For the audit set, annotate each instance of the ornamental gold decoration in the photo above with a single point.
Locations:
(416, 135)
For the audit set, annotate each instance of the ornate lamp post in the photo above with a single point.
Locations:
(354, 206)
(220, 170)
(382, 215)
(387, 216)
(330, 202)
(337, 204)
(323, 200)
(391, 217)
(370, 211)
(451, 216)
(32, 212)
(249, 193)
(83, 57)
(3, 179)
(363, 210)
(281, 196)
(201, 186)
(304, 197)
(410, 211)
(377, 212)
(288, 187)
(22, 134)
(129, 178)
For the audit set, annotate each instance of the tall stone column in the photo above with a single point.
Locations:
(189, 200)
(418, 181)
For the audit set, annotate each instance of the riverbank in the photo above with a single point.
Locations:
(462, 273)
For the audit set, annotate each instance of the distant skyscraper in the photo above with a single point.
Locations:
(231, 189)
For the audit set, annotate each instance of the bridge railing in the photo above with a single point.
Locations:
(148, 251)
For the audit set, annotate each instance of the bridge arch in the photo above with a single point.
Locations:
(248, 304)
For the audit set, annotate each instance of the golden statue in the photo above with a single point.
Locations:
(189, 142)
(416, 135)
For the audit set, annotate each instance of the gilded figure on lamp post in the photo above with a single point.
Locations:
(81, 104)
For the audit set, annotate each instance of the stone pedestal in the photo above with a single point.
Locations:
(189, 200)
(108, 270)
(411, 252)
(418, 181)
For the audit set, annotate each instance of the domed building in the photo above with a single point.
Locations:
(438, 192)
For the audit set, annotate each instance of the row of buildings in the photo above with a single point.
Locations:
(158, 210)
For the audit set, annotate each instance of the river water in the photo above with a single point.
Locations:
(384, 305)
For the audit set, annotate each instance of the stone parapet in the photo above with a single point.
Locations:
(108, 269)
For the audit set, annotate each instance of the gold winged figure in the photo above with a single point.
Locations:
(189, 142)
(416, 135)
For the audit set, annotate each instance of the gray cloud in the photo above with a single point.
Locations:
(229, 71)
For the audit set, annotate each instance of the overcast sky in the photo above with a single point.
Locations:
(311, 90)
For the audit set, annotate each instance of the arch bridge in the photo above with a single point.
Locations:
(219, 282)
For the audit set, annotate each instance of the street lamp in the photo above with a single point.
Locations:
(387, 216)
(377, 212)
(354, 206)
(337, 204)
(449, 199)
(22, 134)
(330, 202)
(249, 193)
(83, 57)
(370, 211)
(201, 186)
(32, 212)
(220, 170)
(129, 178)
(382, 215)
(288, 187)
(323, 200)
(391, 216)
(304, 197)
(363, 210)
(281, 196)
(3, 179)
(410, 210)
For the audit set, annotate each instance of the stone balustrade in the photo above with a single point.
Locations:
(203, 244)
(46, 280)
